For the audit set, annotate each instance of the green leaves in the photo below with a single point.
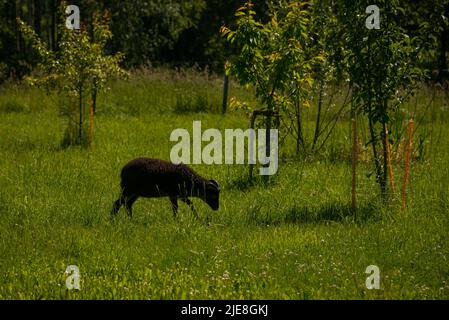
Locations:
(80, 61)
(78, 69)
(272, 53)
(381, 63)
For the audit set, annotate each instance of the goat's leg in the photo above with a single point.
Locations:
(190, 204)
(129, 201)
(116, 206)
(174, 205)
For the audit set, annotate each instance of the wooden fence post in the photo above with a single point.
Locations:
(225, 93)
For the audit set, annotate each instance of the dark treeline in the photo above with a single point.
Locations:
(177, 32)
(173, 32)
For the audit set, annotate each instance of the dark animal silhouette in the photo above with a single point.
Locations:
(153, 178)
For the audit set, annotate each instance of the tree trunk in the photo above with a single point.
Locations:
(299, 136)
(94, 101)
(376, 155)
(251, 126)
(30, 16)
(442, 63)
(16, 28)
(268, 143)
(383, 183)
(37, 17)
(48, 20)
(91, 120)
(19, 37)
(318, 113)
(54, 13)
(80, 133)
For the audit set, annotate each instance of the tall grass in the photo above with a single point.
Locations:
(292, 239)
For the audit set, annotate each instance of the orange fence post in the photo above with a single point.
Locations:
(407, 162)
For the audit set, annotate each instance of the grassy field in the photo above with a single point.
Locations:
(294, 238)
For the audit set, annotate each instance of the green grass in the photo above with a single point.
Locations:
(292, 239)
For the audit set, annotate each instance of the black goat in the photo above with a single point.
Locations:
(153, 178)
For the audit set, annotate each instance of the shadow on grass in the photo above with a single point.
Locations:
(28, 144)
(244, 183)
(325, 214)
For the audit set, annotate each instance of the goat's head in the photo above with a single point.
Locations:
(212, 194)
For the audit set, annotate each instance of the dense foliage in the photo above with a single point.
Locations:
(181, 32)
(77, 70)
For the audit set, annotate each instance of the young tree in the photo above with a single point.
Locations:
(382, 68)
(276, 57)
(77, 69)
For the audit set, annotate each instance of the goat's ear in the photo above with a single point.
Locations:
(215, 184)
